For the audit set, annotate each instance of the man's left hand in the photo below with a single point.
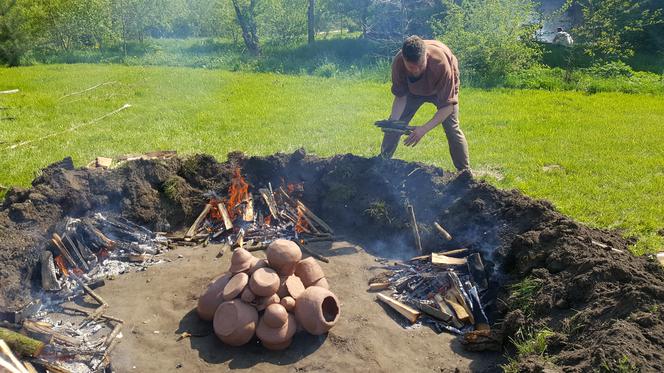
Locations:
(415, 136)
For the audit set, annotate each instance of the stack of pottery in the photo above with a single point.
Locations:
(269, 298)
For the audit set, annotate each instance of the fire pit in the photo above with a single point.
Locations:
(417, 258)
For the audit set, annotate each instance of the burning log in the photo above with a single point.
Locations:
(44, 332)
(413, 225)
(228, 223)
(315, 218)
(408, 312)
(76, 307)
(21, 344)
(248, 213)
(57, 241)
(442, 231)
(268, 197)
(114, 333)
(49, 279)
(78, 255)
(192, 230)
(459, 310)
(476, 269)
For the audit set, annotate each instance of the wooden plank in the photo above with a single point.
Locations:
(458, 309)
(14, 362)
(192, 230)
(269, 201)
(378, 286)
(408, 312)
(228, 223)
(447, 260)
(315, 218)
(45, 333)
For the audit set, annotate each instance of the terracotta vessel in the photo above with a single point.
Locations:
(276, 338)
(242, 260)
(235, 286)
(294, 286)
(275, 315)
(262, 303)
(260, 263)
(317, 310)
(264, 282)
(283, 255)
(235, 322)
(309, 271)
(288, 303)
(212, 296)
(277, 346)
(247, 296)
(321, 283)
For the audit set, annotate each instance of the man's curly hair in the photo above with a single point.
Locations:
(413, 49)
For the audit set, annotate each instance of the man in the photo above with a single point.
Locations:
(427, 71)
(563, 38)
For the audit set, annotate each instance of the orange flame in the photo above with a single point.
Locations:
(295, 187)
(237, 192)
(302, 225)
(268, 220)
(60, 262)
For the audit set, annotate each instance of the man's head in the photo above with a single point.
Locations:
(414, 54)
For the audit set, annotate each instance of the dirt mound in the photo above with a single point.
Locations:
(599, 305)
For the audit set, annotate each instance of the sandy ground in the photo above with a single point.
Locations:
(159, 303)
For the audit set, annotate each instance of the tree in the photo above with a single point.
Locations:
(310, 22)
(12, 39)
(608, 27)
(246, 17)
(491, 38)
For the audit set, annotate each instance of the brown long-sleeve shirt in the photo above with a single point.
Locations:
(440, 78)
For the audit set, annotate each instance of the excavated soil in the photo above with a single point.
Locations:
(601, 304)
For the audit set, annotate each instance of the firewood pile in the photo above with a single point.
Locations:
(443, 290)
(56, 333)
(252, 221)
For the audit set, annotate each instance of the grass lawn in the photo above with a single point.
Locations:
(598, 158)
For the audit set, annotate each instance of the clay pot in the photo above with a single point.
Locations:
(321, 283)
(283, 255)
(317, 310)
(260, 263)
(212, 296)
(294, 286)
(242, 260)
(235, 286)
(235, 322)
(262, 303)
(277, 346)
(309, 271)
(247, 296)
(264, 282)
(275, 315)
(276, 338)
(288, 303)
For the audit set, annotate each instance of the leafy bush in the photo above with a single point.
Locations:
(491, 38)
(611, 69)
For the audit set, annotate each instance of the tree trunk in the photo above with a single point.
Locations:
(311, 22)
(248, 25)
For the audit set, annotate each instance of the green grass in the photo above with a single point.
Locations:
(598, 158)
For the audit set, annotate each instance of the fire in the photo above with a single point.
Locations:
(268, 220)
(60, 262)
(295, 187)
(238, 192)
(302, 224)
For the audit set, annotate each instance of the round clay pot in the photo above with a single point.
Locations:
(242, 260)
(260, 263)
(309, 271)
(262, 303)
(322, 283)
(264, 282)
(247, 296)
(288, 303)
(275, 315)
(317, 310)
(212, 296)
(283, 255)
(294, 286)
(276, 337)
(235, 322)
(235, 286)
